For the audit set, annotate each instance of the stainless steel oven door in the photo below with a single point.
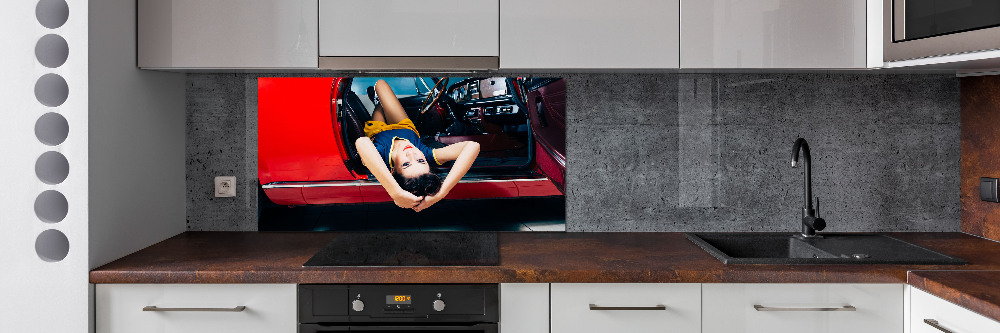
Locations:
(472, 328)
(915, 29)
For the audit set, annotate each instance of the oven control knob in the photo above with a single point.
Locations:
(438, 305)
(358, 305)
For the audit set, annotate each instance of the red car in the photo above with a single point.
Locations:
(307, 128)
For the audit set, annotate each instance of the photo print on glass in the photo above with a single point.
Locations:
(411, 154)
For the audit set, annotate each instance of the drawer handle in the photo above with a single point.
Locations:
(234, 309)
(630, 308)
(935, 324)
(759, 307)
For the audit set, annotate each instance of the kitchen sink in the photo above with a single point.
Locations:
(789, 248)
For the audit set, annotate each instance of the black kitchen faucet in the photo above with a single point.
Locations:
(810, 222)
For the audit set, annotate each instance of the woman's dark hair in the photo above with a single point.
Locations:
(425, 184)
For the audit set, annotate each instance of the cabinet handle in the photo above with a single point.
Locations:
(234, 309)
(759, 307)
(935, 324)
(615, 308)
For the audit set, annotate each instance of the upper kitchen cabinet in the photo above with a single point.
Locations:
(409, 35)
(221, 34)
(781, 34)
(589, 34)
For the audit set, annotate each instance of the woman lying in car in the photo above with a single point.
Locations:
(392, 151)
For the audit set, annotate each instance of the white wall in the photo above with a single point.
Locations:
(125, 148)
(36, 295)
(136, 141)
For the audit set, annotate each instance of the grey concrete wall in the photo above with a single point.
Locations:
(683, 152)
(221, 141)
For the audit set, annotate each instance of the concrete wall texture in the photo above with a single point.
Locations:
(682, 152)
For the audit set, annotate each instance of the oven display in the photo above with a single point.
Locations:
(397, 299)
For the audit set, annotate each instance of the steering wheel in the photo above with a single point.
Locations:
(434, 95)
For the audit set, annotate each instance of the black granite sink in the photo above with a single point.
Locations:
(786, 248)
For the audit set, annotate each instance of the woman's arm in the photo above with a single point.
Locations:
(371, 159)
(464, 154)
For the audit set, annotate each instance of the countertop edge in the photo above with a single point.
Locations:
(936, 283)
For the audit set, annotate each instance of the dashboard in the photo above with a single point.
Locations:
(477, 90)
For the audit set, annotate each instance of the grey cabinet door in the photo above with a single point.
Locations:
(407, 28)
(227, 34)
(585, 34)
(775, 34)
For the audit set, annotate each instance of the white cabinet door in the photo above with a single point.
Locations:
(626, 307)
(554, 34)
(780, 307)
(269, 308)
(774, 34)
(407, 28)
(227, 34)
(951, 317)
(524, 308)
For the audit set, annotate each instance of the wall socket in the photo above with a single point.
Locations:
(988, 189)
(225, 186)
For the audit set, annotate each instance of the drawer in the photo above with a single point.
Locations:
(729, 308)
(626, 307)
(268, 308)
(949, 316)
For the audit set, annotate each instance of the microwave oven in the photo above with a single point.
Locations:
(915, 29)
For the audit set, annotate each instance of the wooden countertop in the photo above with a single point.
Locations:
(978, 291)
(260, 257)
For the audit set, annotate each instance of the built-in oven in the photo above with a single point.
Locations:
(466, 308)
(927, 28)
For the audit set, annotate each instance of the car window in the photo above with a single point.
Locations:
(402, 86)
(424, 84)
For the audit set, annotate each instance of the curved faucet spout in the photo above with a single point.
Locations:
(810, 222)
(802, 145)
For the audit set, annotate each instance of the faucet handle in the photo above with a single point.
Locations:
(819, 223)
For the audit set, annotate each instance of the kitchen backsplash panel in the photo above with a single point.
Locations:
(682, 152)
(980, 153)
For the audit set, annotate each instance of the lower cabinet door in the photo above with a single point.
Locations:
(524, 308)
(930, 314)
(196, 308)
(802, 308)
(626, 307)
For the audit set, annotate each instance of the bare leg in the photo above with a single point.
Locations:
(392, 110)
(378, 115)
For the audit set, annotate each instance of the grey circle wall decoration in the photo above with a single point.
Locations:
(52, 245)
(52, 168)
(51, 206)
(51, 50)
(52, 13)
(51, 129)
(51, 90)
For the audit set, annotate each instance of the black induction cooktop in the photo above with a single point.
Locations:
(409, 249)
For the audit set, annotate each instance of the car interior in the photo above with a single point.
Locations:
(450, 110)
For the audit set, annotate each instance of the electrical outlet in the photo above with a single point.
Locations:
(988, 189)
(225, 186)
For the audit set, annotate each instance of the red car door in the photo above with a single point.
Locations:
(546, 109)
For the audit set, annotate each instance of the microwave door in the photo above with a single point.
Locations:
(916, 19)
(914, 29)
